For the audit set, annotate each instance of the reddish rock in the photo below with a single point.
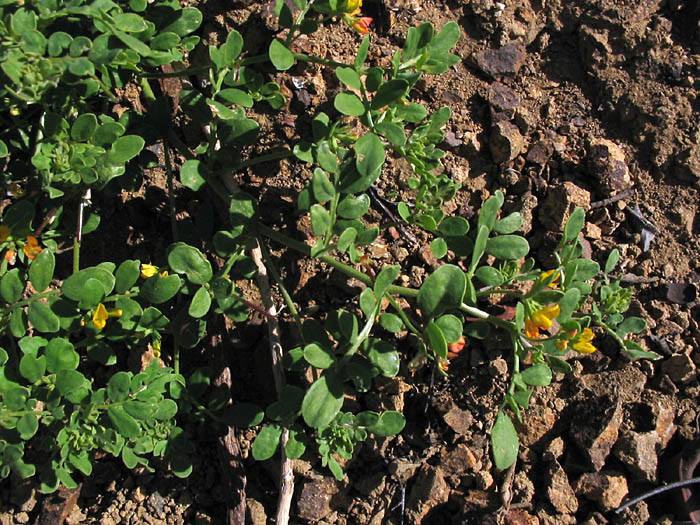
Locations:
(596, 429)
(314, 501)
(504, 102)
(638, 451)
(537, 421)
(520, 517)
(559, 491)
(679, 368)
(560, 202)
(505, 142)
(458, 420)
(607, 489)
(540, 152)
(429, 491)
(606, 162)
(458, 461)
(498, 63)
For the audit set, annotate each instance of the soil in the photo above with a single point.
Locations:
(554, 102)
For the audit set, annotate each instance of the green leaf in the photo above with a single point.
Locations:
(346, 239)
(84, 127)
(158, 289)
(504, 441)
(368, 303)
(370, 155)
(232, 96)
(391, 323)
(201, 302)
(362, 52)
(612, 260)
(442, 290)
(559, 365)
(568, 304)
(454, 227)
(489, 275)
(489, 210)
(326, 158)
(243, 415)
(352, 207)
(193, 174)
(280, 56)
(323, 400)
(295, 447)
(119, 387)
(12, 286)
(509, 224)
(322, 186)
(32, 368)
(123, 422)
(42, 318)
(349, 77)
(631, 325)
(266, 442)
(445, 39)
(390, 423)
(27, 426)
(187, 259)
(124, 149)
(574, 225)
(70, 382)
(130, 22)
(74, 287)
(140, 410)
(187, 21)
(41, 270)
(437, 339)
(393, 133)
(232, 48)
(389, 92)
(537, 375)
(451, 327)
(318, 356)
(383, 356)
(349, 104)
(439, 247)
(288, 406)
(127, 275)
(510, 247)
(165, 41)
(167, 409)
(412, 113)
(482, 238)
(387, 276)
(60, 355)
(320, 219)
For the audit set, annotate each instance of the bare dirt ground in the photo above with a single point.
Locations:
(554, 102)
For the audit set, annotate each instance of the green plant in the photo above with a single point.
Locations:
(61, 63)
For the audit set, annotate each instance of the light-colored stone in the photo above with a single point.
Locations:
(607, 489)
(638, 451)
(559, 491)
(560, 202)
(607, 164)
(430, 490)
(315, 498)
(505, 142)
(679, 368)
(597, 428)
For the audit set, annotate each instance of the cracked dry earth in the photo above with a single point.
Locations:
(558, 103)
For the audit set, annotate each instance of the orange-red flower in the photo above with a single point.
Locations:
(361, 25)
(31, 249)
(455, 348)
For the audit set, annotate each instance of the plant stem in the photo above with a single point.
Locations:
(270, 265)
(276, 155)
(319, 60)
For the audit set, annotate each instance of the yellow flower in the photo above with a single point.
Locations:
(541, 320)
(4, 233)
(148, 270)
(583, 343)
(99, 318)
(545, 275)
(31, 249)
(352, 6)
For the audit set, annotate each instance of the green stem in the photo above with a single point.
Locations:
(183, 73)
(409, 324)
(171, 196)
(76, 255)
(33, 298)
(147, 91)
(318, 60)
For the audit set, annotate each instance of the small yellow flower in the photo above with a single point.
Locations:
(541, 320)
(31, 249)
(545, 275)
(99, 318)
(148, 270)
(352, 6)
(5, 232)
(583, 343)
(164, 273)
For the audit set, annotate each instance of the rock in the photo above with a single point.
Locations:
(638, 451)
(607, 164)
(637, 514)
(484, 480)
(607, 489)
(21, 518)
(560, 202)
(255, 512)
(679, 368)
(458, 461)
(429, 491)
(663, 425)
(540, 152)
(155, 503)
(554, 450)
(505, 142)
(315, 498)
(402, 470)
(559, 491)
(591, 231)
(498, 63)
(538, 420)
(503, 101)
(594, 46)
(498, 367)
(520, 517)
(458, 420)
(596, 428)
(687, 167)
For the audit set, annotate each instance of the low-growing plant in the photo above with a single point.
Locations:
(66, 393)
